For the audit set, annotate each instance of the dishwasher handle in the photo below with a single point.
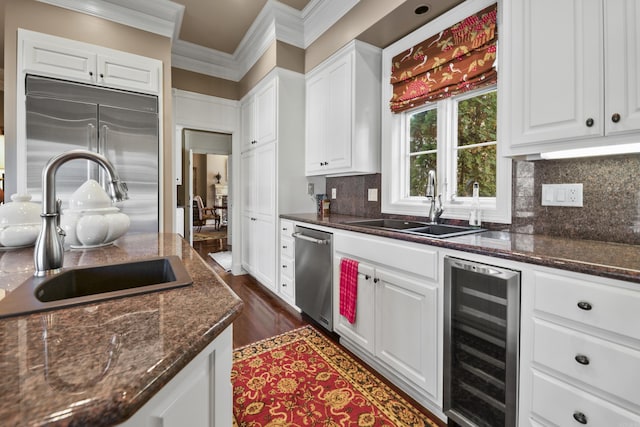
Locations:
(301, 236)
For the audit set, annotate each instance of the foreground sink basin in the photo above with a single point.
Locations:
(439, 231)
(81, 285)
(393, 224)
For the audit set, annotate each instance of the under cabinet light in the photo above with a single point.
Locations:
(607, 150)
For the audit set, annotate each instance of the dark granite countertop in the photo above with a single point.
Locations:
(96, 364)
(613, 260)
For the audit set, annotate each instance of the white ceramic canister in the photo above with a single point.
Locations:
(19, 222)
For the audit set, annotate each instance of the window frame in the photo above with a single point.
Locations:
(394, 146)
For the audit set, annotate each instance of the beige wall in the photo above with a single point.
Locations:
(204, 84)
(44, 18)
(350, 26)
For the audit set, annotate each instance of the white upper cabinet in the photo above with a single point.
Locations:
(66, 59)
(560, 94)
(343, 114)
(259, 117)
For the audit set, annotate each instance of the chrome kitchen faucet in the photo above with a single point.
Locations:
(48, 255)
(434, 212)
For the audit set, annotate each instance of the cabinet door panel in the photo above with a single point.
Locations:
(265, 255)
(407, 328)
(315, 124)
(246, 121)
(59, 61)
(264, 180)
(247, 172)
(248, 248)
(339, 117)
(362, 330)
(266, 114)
(129, 73)
(557, 75)
(622, 65)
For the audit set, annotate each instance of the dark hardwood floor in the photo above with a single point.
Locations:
(265, 315)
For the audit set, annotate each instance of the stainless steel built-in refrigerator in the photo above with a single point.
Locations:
(123, 126)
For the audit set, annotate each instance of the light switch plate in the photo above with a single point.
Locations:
(562, 195)
(333, 193)
(372, 195)
(310, 189)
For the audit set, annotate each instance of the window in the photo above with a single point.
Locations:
(457, 136)
(464, 146)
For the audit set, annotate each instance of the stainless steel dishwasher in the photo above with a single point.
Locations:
(314, 274)
(481, 335)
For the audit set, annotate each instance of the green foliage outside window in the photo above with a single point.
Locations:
(423, 143)
(477, 125)
(475, 151)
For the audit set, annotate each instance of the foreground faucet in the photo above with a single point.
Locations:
(434, 212)
(49, 251)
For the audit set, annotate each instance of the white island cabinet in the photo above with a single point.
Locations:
(573, 68)
(200, 395)
(343, 113)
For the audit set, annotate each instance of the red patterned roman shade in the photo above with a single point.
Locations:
(460, 58)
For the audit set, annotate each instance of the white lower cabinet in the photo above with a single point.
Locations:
(398, 325)
(407, 327)
(200, 395)
(580, 350)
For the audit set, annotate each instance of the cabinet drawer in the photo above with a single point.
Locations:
(286, 228)
(286, 247)
(559, 404)
(286, 267)
(286, 285)
(605, 365)
(604, 306)
(404, 256)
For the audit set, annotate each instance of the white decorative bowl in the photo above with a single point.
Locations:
(19, 222)
(92, 221)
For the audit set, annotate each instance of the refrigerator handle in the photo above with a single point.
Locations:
(102, 143)
(91, 130)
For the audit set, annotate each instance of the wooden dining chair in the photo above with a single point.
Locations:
(201, 214)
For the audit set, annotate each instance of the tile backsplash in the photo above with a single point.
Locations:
(611, 198)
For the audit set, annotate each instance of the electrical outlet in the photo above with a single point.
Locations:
(310, 189)
(372, 195)
(562, 195)
(333, 193)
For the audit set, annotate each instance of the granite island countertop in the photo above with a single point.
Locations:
(96, 364)
(612, 260)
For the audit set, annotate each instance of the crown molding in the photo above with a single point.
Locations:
(158, 17)
(320, 15)
(202, 60)
(276, 21)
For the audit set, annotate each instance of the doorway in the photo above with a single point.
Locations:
(207, 192)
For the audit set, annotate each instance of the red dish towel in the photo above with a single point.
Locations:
(348, 288)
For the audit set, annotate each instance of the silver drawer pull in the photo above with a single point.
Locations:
(580, 417)
(582, 359)
(583, 305)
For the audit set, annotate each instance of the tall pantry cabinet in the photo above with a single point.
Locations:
(272, 176)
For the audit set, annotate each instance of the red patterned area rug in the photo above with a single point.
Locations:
(301, 378)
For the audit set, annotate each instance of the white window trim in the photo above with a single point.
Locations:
(394, 128)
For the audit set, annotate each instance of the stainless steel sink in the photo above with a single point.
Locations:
(392, 224)
(439, 231)
(443, 231)
(81, 285)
